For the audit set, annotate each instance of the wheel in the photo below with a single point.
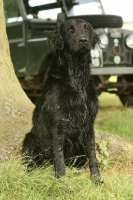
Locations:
(101, 21)
(127, 96)
(127, 100)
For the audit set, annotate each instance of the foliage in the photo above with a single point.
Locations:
(102, 154)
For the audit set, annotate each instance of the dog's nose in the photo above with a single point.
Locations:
(83, 40)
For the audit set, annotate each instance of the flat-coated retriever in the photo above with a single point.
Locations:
(64, 116)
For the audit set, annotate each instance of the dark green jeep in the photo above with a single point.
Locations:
(29, 22)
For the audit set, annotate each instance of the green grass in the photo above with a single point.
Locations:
(17, 184)
(114, 118)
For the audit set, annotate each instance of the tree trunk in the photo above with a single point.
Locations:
(15, 107)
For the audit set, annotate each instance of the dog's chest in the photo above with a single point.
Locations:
(74, 110)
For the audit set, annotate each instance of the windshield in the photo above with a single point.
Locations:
(49, 9)
(33, 3)
(43, 9)
(85, 7)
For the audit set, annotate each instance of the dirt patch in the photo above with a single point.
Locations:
(117, 145)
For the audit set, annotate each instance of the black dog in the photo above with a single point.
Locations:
(63, 118)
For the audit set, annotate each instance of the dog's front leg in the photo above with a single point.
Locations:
(59, 162)
(91, 154)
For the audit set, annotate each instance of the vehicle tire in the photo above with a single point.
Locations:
(126, 99)
(101, 21)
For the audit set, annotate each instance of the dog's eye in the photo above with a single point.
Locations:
(86, 29)
(71, 30)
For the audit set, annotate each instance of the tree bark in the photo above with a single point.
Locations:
(15, 107)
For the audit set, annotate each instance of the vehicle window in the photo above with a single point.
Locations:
(11, 11)
(41, 9)
(49, 14)
(33, 3)
(85, 7)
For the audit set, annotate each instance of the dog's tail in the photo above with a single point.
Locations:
(28, 144)
(31, 152)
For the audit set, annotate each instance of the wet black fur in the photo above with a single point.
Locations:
(64, 116)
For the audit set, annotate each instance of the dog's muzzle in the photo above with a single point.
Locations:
(83, 41)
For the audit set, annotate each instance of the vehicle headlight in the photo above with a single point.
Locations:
(95, 53)
(96, 62)
(104, 40)
(129, 41)
(96, 57)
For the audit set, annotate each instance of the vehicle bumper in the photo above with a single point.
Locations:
(111, 70)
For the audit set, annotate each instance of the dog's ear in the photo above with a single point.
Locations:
(94, 38)
(55, 40)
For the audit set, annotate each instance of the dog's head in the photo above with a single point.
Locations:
(76, 35)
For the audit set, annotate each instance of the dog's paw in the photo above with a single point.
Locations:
(95, 178)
